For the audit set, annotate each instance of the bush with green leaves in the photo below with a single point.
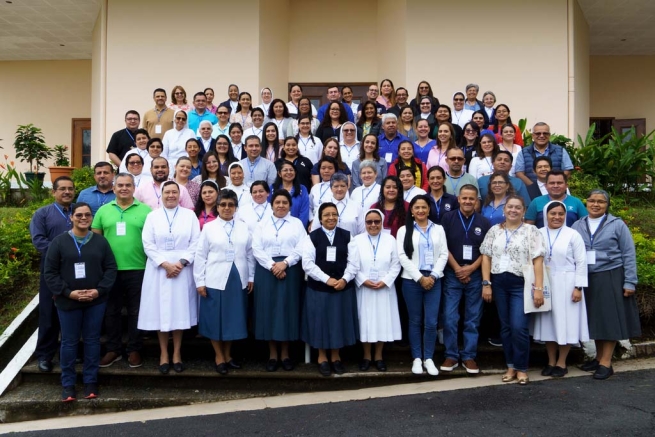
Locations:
(82, 178)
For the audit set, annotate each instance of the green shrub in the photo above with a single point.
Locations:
(82, 178)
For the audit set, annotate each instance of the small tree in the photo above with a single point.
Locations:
(30, 147)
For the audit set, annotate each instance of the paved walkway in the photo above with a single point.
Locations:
(482, 406)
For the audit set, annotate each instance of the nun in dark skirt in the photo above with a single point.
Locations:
(330, 307)
(224, 269)
(277, 246)
(612, 311)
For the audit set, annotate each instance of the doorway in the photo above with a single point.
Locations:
(81, 142)
(604, 125)
(317, 92)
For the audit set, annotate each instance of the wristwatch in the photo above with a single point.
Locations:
(184, 262)
(486, 283)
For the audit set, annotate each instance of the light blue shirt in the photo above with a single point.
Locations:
(95, 198)
(195, 119)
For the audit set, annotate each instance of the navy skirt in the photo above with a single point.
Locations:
(222, 314)
(277, 303)
(330, 319)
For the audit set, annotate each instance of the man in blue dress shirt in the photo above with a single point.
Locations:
(389, 139)
(200, 112)
(102, 192)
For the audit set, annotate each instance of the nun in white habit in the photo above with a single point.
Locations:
(267, 96)
(235, 177)
(174, 140)
(169, 301)
(377, 303)
(566, 323)
(348, 211)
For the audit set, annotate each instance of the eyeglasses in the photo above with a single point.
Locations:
(498, 183)
(349, 130)
(180, 118)
(179, 93)
(597, 202)
(456, 158)
(424, 87)
(82, 215)
(540, 134)
(222, 113)
(458, 100)
(132, 119)
(134, 163)
(469, 131)
(227, 205)
(64, 189)
(373, 222)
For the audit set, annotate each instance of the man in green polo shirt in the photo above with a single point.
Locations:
(121, 222)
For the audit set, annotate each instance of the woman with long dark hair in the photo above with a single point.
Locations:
(331, 125)
(303, 165)
(286, 180)
(391, 203)
(369, 122)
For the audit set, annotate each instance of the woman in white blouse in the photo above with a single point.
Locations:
(423, 254)
(278, 281)
(377, 303)
(278, 113)
(174, 140)
(482, 162)
(168, 299)
(257, 210)
(224, 271)
(368, 192)
(305, 110)
(508, 133)
(506, 248)
(243, 115)
(308, 145)
(410, 190)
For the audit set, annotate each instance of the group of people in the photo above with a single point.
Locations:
(343, 229)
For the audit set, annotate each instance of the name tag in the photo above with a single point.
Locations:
(591, 257)
(331, 255)
(170, 243)
(229, 254)
(504, 263)
(158, 128)
(388, 157)
(121, 229)
(467, 252)
(275, 250)
(80, 271)
(374, 274)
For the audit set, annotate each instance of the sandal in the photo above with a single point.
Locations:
(524, 381)
(509, 378)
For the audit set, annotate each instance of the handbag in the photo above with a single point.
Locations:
(528, 294)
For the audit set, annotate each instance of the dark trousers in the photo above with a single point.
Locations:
(47, 342)
(126, 292)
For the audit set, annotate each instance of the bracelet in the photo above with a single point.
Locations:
(537, 288)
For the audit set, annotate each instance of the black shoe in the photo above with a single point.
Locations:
(271, 365)
(324, 368)
(590, 366)
(364, 365)
(68, 394)
(495, 342)
(338, 367)
(221, 368)
(603, 372)
(559, 372)
(178, 367)
(381, 366)
(79, 360)
(233, 364)
(287, 364)
(164, 368)
(547, 371)
(91, 391)
(45, 366)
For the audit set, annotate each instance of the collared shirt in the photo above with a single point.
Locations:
(195, 119)
(462, 231)
(150, 194)
(95, 198)
(453, 184)
(575, 210)
(389, 148)
(48, 222)
(261, 170)
(154, 117)
(566, 164)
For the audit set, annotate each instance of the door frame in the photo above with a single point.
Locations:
(78, 125)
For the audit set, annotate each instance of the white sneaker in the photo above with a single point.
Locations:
(417, 367)
(431, 368)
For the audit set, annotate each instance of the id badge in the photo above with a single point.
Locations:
(158, 128)
(331, 255)
(80, 271)
(121, 229)
(504, 263)
(275, 250)
(467, 253)
(591, 257)
(388, 157)
(170, 242)
(429, 257)
(374, 274)
(229, 253)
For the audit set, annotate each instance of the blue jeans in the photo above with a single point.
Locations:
(85, 323)
(453, 292)
(507, 291)
(422, 308)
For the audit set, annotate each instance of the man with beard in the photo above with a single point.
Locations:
(102, 192)
(150, 193)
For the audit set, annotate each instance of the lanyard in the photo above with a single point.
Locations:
(304, 142)
(322, 191)
(375, 247)
(592, 236)
(170, 222)
(349, 150)
(466, 228)
(254, 131)
(550, 245)
(508, 238)
(330, 235)
(158, 197)
(367, 194)
(130, 134)
(252, 167)
(275, 225)
(454, 187)
(437, 205)
(82, 243)
(488, 161)
(67, 218)
(254, 208)
(408, 192)
(229, 234)
(425, 234)
(159, 115)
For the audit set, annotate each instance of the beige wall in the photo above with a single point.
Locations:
(391, 41)
(47, 94)
(99, 86)
(274, 33)
(578, 72)
(182, 47)
(623, 87)
(524, 61)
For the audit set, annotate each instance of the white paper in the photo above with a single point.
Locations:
(158, 128)
(121, 229)
(388, 157)
(331, 255)
(591, 257)
(504, 263)
(374, 274)
(170, 243)
(80, 271)
(467, 253)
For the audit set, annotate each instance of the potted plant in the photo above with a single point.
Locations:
(30, 147)
(62, 164)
